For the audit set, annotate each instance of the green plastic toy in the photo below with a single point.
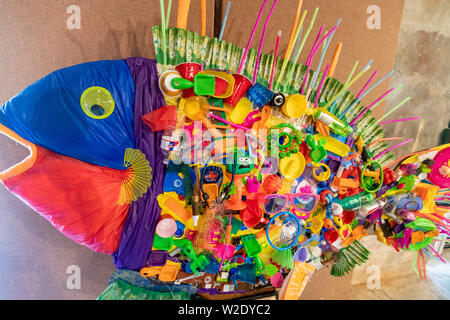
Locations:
(318, 152)
(204, 84)
(251, 245)
(162, 243)
(197, 263)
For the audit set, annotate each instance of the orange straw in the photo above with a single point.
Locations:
(294, 28)
(335, 59)
(183, 12)
(203, 13)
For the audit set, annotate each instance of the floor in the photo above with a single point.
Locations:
(34, 256)
(410, 287)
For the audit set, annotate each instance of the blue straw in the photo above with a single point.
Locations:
(316, 73)
(363, 95)
(297, 45)
(224, 23)
(342, 94)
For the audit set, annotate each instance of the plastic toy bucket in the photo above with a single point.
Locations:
(331, 236)
(241, 85)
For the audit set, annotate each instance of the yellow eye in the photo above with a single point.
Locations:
(97, 102)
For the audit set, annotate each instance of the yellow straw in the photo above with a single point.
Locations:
(283, 67)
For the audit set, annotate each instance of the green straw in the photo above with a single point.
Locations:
(163, 29)
(283, 67)
(359, 75)
(311, 24)
(168, 13)
(393, 109)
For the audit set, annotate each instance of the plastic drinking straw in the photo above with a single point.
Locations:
(294, 28)
(261, 42)
(224, 22)
(437, 254)
(283, 67)
(384, 139)
(295, 61)
(316, 47)
(244, 56)
(311, 24)
(351, 82)
(322, 56)
(227, 122)
(315, 44)
(297, 43)
(169, 6)
(365, 93)
(334, 61)
(272, 72)
(374, 104)
(393, 109)
(313, 51)
(350, 75)
(392, 148)
(316, 103)
(308, 61)
(163, 29)
(183, 12)
(203, 17)
(400, 120)
(367, 84)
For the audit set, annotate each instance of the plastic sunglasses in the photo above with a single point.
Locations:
(302, 203)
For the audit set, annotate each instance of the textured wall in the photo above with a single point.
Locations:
(422, 66)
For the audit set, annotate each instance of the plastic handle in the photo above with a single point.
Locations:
(180, 83)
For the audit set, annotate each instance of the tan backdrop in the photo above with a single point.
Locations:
(359, 42)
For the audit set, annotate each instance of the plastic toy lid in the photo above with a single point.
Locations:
(97, 102)
(292, 167)
(295, 106)
(301, 255)
(166, 228)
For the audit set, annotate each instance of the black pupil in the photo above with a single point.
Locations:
(97, 110)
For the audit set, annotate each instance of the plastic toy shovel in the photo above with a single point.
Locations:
(291, 168)
(204, 84)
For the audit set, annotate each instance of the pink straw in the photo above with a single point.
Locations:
(241, 66)
(367, 83)
(315, 43)
(255, 73)
(316, 103)
(309, 60)
(371, 106)
(400, 120)
(316, 48)
(392, 148)
(313, 52)
(437, 254)
(212, 115)
(274, 65)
